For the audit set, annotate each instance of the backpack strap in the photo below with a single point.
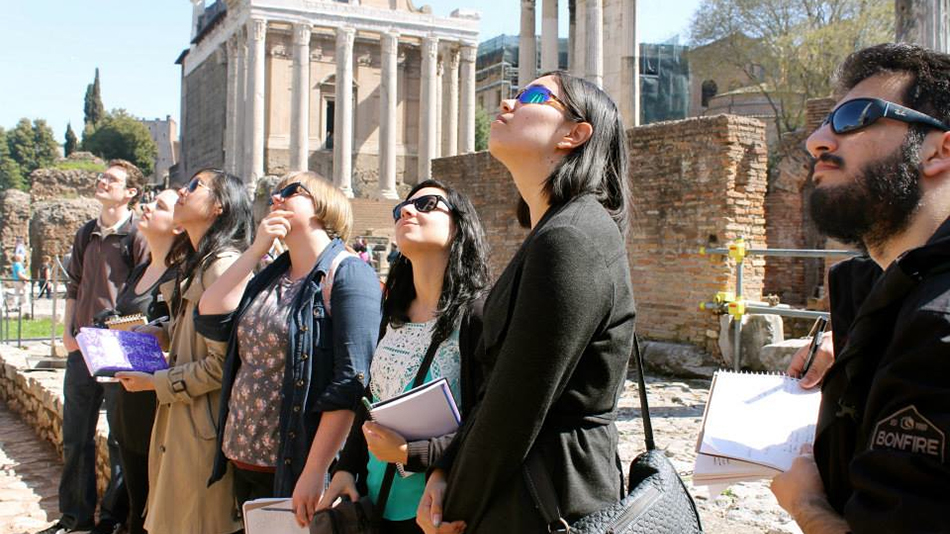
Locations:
(328, 279)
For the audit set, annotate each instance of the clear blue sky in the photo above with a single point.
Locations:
(49, 50)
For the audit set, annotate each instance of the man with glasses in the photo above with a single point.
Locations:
(882, 181)
(104, 251)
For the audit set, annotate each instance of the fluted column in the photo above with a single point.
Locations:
(467, 98)
(388, 93)
(630, 66)
(549, 44)
(579, 39)
(427, 107)
(439, 105)
(571, 35)
(343, 112)
(230, 116)
(256, 34)
(595, 42)
(527, 46)
(300, 104)
(240, 108)
(450, 110)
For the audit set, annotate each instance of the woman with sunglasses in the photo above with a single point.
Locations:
(214, 210)
(558, 325)
(301, 337)
(431, 300)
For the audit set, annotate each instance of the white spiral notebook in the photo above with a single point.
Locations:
(753, 427)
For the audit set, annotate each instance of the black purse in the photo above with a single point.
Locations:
(657, 500)
(364, 516)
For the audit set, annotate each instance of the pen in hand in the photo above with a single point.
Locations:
(819, 330)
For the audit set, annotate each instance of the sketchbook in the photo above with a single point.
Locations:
(126, 322)
(109, 351)
(271, 516)
(753, 427)
(424, 412)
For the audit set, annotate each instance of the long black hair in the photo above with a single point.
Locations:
(598, 166)
(466, 275)
(231, 230)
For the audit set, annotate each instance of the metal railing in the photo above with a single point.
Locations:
(13, 301)
(733, 304)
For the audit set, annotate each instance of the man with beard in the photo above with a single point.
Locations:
(882, 181)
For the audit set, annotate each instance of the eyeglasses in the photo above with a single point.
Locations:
(288, 191)
(859, 113)
(424, 204)
(538, 94)
(193, 184)
(107, 178)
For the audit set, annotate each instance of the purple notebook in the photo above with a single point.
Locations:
(109, 351)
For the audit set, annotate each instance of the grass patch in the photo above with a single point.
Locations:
(32, 328)
(79, 166)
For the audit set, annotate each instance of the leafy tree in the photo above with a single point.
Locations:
(482, 127)
(93, 108)
(71, 140)
(22, 146)
(120, 135)
(45, 148)
(10, 174)
(789, 49)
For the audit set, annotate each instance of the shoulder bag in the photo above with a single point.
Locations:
(657, 501)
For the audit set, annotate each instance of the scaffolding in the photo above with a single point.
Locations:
(727, 303)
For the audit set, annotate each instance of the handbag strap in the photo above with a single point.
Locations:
(390, 474)
(538, 479)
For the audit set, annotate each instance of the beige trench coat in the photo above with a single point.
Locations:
(183, 437)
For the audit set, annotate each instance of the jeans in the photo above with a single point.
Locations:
(77, 487)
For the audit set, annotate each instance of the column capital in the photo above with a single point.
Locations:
(301, 34)
(430, 45)
(347, 31)
(453, 54)
(527, 4)
(468, 53)
(389, 42)
(256, 29)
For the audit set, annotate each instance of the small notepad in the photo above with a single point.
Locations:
(271, 516)
(754, 426)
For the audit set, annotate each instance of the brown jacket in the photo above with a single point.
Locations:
(183, 437)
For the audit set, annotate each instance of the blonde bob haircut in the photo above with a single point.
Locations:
(330, 205)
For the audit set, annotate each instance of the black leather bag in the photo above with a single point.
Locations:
(657, 501)
(364, 516)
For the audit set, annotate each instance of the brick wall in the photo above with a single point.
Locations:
(691, 181)
(372, 217)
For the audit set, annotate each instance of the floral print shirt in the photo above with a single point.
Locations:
(251, 434)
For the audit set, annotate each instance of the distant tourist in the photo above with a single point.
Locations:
(21, 280)
(19, 247)
(44, 277)
(103, 253)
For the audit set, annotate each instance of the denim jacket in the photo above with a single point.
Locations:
(328, 357)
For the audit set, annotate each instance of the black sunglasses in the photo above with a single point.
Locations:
(288, 191)
(859, 113)
(193, 184)
(424, 204)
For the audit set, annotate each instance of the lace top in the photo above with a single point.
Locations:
(400, 353)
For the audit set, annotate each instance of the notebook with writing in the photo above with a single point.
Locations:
(271, 516)
(754, 426)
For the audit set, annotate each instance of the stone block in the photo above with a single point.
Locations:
(757, 332)
(777, 356)
(54, 224)
(14, 222)
(677, 359)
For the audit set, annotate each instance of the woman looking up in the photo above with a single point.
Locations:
(301, 340)
(558, 325)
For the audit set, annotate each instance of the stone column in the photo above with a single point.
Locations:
(594, 42)
(427, 107)
(527, 46)
(571, 35)
(240, 109)
(439, 105)
(388, 94)
(579, 40)
(230, 116)
(450, 110)
(343, 112)
(197, 9)
(300, 104)
(254, 135)
(468, 52)
(630, 66)
(549, 42)
(923, 22)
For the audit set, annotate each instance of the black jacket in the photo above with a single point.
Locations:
(556, 339)
(882, 429)
(327, 357)
(422, 454)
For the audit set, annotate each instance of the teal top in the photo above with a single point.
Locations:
(394, 367)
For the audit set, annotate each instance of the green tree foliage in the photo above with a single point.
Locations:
(789, 49)
(120, 135)
(93, 108)
(72, 141)
(10, 174)
(32, 145)
(482, 127)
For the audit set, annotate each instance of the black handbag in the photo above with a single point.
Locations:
(657, 501)
(364, 516)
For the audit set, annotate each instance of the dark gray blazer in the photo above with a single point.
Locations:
(557, 334)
